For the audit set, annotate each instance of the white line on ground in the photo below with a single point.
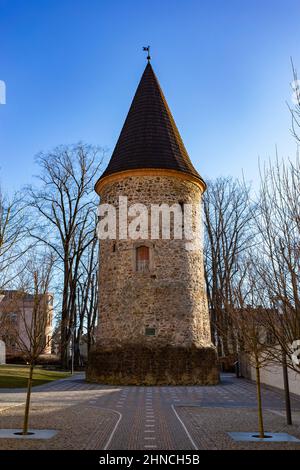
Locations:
(114, 429)
(276, 412)
(184, 427)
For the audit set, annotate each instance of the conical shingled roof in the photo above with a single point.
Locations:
(149, 137)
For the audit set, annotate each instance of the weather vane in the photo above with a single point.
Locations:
(147, 48)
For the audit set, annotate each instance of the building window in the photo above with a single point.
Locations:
(149, 331)
(13, 317)
(270, 338)
(142, 258)
(9, 340)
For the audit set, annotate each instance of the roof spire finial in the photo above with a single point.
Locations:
(147, 48)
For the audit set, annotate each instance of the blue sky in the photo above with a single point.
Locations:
(71, 68)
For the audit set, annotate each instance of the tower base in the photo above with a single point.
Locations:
(141, 365)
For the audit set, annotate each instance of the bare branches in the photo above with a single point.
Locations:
(229, 235)
(278, 261)
(30, 304)
(31, 338)
(65, 212)
(295, 111)
(13, 242)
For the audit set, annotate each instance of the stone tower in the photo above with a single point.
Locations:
(153, 317)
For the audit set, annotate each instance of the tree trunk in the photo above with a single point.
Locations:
(27, 406)
(77, 355)
(259, 404)
(64, 353)
(65, 313)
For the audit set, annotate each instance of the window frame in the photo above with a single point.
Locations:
(134, 257)
(150, 331)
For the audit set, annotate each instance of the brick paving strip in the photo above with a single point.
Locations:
(78, 427)
(209, 427)
(91, 416)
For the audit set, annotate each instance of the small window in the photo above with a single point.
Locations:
(149, 331)
(13, 317)
(270, 338)
(142, 258)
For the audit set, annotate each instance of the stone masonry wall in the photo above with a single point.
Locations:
(170, 297)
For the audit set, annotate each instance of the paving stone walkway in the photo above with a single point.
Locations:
(149, 418)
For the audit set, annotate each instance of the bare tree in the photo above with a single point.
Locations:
(13, 241)
(278, 260)
(251, 339)
(87, 301)
(228, 215)
(30, 330)
(65, 205)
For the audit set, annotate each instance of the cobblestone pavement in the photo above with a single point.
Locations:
(149, 418)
